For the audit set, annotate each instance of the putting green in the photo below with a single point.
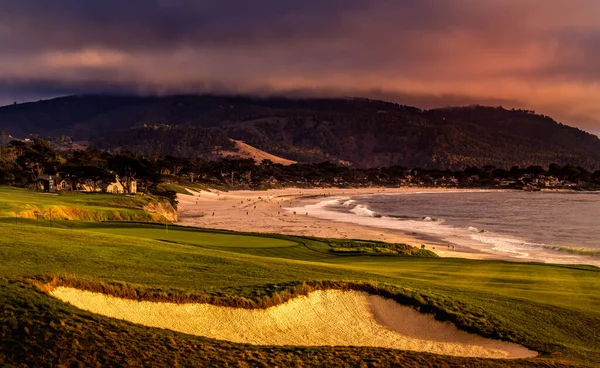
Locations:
(204, 239)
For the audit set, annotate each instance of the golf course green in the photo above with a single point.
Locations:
(551, 309)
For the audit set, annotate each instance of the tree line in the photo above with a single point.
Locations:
(23, 164)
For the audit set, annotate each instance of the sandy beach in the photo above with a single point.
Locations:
(264, 212)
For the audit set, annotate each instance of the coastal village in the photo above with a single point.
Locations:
(54, 183)
(128, 185)
(37, 165)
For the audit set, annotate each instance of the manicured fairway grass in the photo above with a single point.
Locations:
(553, 284)
(553, 309)
(208, 239)
(549, 308)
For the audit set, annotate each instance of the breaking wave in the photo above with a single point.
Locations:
(473, 229)
(345, 209)
(361, 210)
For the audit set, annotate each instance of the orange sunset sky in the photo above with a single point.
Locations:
(534, 54)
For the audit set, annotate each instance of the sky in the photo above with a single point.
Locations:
(541, 55)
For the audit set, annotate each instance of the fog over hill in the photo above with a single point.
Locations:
(358, 131)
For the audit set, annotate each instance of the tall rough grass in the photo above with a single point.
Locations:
(26, 204)
(579, 251)
(64, 212)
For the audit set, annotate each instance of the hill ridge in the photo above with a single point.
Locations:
(363, 132)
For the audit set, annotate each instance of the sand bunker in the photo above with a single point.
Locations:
(323, 318)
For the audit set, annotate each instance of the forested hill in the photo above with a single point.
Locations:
(358, 131)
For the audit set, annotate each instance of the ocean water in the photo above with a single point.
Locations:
(521, 226)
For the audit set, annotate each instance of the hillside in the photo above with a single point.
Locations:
(362, 132)
(243, 150)
(550, 309)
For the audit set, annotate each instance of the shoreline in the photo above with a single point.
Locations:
(264, 212)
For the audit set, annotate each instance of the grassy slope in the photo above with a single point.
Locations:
(553, 309)
(174, 188)
(26, 204)
(550, 308)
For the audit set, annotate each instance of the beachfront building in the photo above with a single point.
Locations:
(47, 183)
(51, 183)
(115, 186)
(129, 184)
(120, 185)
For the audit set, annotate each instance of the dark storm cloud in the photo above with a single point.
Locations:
(164, 24)
(535, 54)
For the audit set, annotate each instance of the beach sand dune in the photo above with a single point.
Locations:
(323, 318)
